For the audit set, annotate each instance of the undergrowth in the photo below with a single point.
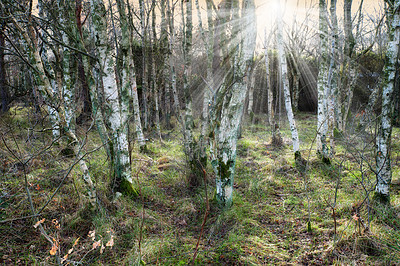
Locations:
(279, 216)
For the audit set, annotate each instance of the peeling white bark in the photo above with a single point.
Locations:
(286, 90)
(383, 140)
(323, 86)
(116, 99)
(223, 146)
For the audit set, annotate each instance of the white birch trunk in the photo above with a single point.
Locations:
(223, 146)
(383, 140)
(208, 43)
(322, 125)
(333, 76)
(128, 79)
(170, 18)
(45, 88)
(348, 73)
(286, 90)
(251, 95)
(116, 100)
(68, 70)
(270, 105)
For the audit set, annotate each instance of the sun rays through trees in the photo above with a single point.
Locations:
(210, 132)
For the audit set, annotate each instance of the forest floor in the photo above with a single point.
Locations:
(279, 216)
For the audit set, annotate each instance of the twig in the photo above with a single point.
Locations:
(20, 218)
(205, 217)
(142, 221)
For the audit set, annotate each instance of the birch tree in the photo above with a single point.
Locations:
(171, 26)
(115, 99)
(322, 125)
(37, 64)
(348, 71)
(208, 91)
(145, 85)
(228, 108)
(191, 145)
(270, 104)
(4, 95)
(128, 89)
(383, 139)
(333, 75)
(286, 90)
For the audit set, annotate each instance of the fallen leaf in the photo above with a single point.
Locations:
(102, 249)
(96, 244)
(111, 242)
(39, 222)
(92, 234)
(76, 242)
(64, 259)
(53, 249)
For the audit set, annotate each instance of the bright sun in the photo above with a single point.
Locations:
(290, 10)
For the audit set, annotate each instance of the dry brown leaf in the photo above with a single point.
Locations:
(102, 249)
(64, 259)
(39, 222)
(92, 234)
(96, 244)
(76, 242)
(111, 242)
(53, 249)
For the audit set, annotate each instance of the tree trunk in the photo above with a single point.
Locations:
(333, 76)
(154, 84)
(3, 81)
(45, 88)
(228, 109)
(270, 104)
(145, 84)
(383, 140)
(116, 99)
(170, 18)
(322, 126)
(84, 94)
(165, 51)
(128, 92)
(251, 94)
(348, 73)
(286, 90)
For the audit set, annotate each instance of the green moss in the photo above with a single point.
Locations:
(127, 189)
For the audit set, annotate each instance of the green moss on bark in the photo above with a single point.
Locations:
(127, 189)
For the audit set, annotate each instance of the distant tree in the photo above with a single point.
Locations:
(4, 94)
(348, 73)
(270, 103)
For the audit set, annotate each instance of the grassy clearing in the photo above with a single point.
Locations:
(267, 224)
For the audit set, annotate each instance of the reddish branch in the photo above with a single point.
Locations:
(205, 217)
